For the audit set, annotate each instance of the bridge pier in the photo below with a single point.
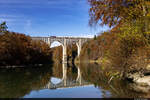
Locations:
(49, 42)
(64, 74)
(79, 46)
(65, 51)
(79, 77)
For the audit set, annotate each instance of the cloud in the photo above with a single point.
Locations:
(16, 21)
(6, 15)
(6, 20)
(20, 15)
(12, 18)
(39, 3)
(19, 1)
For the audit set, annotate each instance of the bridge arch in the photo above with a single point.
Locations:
(64, 41)
(55, 81)
(55, 44)
(64, 46)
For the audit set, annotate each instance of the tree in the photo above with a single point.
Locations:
(115, 12)
(95, 37)
(3, 27)
(19, 49)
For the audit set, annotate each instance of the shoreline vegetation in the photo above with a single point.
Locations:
(20, 50)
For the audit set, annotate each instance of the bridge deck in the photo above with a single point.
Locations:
(64, 37)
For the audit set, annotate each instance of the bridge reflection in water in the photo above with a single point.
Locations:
(66, 83)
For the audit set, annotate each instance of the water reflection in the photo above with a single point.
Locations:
(15, 83)
(64, 81)
(117, 88)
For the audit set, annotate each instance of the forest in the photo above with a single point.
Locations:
(127, 44)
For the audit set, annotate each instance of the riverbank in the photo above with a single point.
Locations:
(140, 77)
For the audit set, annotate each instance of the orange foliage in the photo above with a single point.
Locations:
(18, 49)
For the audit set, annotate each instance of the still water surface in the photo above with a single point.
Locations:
(64, 81)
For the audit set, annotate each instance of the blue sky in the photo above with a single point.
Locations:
(48, 17)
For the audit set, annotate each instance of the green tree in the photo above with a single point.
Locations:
(3, 27)
(95, 37)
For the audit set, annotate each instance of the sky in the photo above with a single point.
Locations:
(48, 17)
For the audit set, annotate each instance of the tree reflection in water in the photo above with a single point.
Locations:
(100, 77)
(18, 82)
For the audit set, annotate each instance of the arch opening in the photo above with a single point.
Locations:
(57, 51)
(55, 81)
(55, 44)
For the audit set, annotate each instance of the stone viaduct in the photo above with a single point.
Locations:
(64, 41)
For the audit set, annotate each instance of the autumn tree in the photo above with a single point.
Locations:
(115, 12)
(19, 49)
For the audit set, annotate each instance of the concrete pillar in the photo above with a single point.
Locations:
(65, 51)
(64, 79)
(48, 85)
(79, 45)
(49, 42)
(79, 77)
(79, 74)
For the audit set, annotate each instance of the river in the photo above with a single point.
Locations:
(64, 81)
